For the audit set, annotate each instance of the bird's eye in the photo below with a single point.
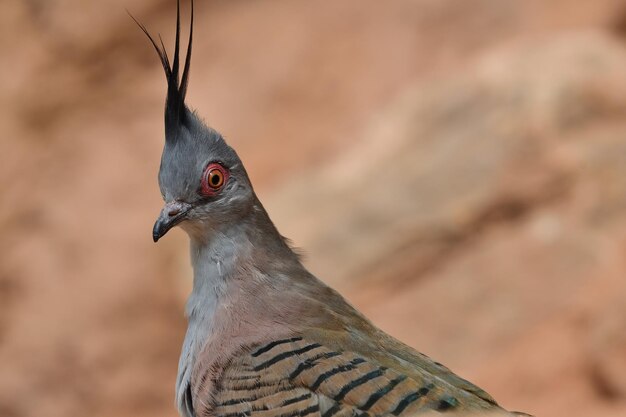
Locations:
(215, 175)
(215, 178)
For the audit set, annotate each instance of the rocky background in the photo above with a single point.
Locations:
(456, 168)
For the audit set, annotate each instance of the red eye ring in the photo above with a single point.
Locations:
(213, 179)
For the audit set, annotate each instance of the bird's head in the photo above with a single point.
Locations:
(202, 180)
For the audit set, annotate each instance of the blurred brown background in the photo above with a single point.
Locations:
(456, 168)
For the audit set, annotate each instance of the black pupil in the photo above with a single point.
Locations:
(215, 179)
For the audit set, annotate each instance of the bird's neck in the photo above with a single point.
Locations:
(221, 256)
(225, 256)
(231, 265)
(228, 264)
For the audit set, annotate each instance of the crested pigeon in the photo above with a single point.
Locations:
(265, 337)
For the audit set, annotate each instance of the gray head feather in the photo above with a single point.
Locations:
(190, 149)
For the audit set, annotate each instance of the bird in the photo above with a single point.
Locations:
(265, 337)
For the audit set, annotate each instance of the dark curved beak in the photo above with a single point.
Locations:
(172, 213)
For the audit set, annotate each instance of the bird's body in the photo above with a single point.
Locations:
(266, 338)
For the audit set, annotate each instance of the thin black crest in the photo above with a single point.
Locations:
(175, 110)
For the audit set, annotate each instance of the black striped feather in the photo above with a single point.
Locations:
(293, 377)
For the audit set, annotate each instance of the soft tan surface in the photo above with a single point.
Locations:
(495, 244)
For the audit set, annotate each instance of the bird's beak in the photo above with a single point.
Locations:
(172, 213)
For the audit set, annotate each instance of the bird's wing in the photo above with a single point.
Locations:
(303, 376)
